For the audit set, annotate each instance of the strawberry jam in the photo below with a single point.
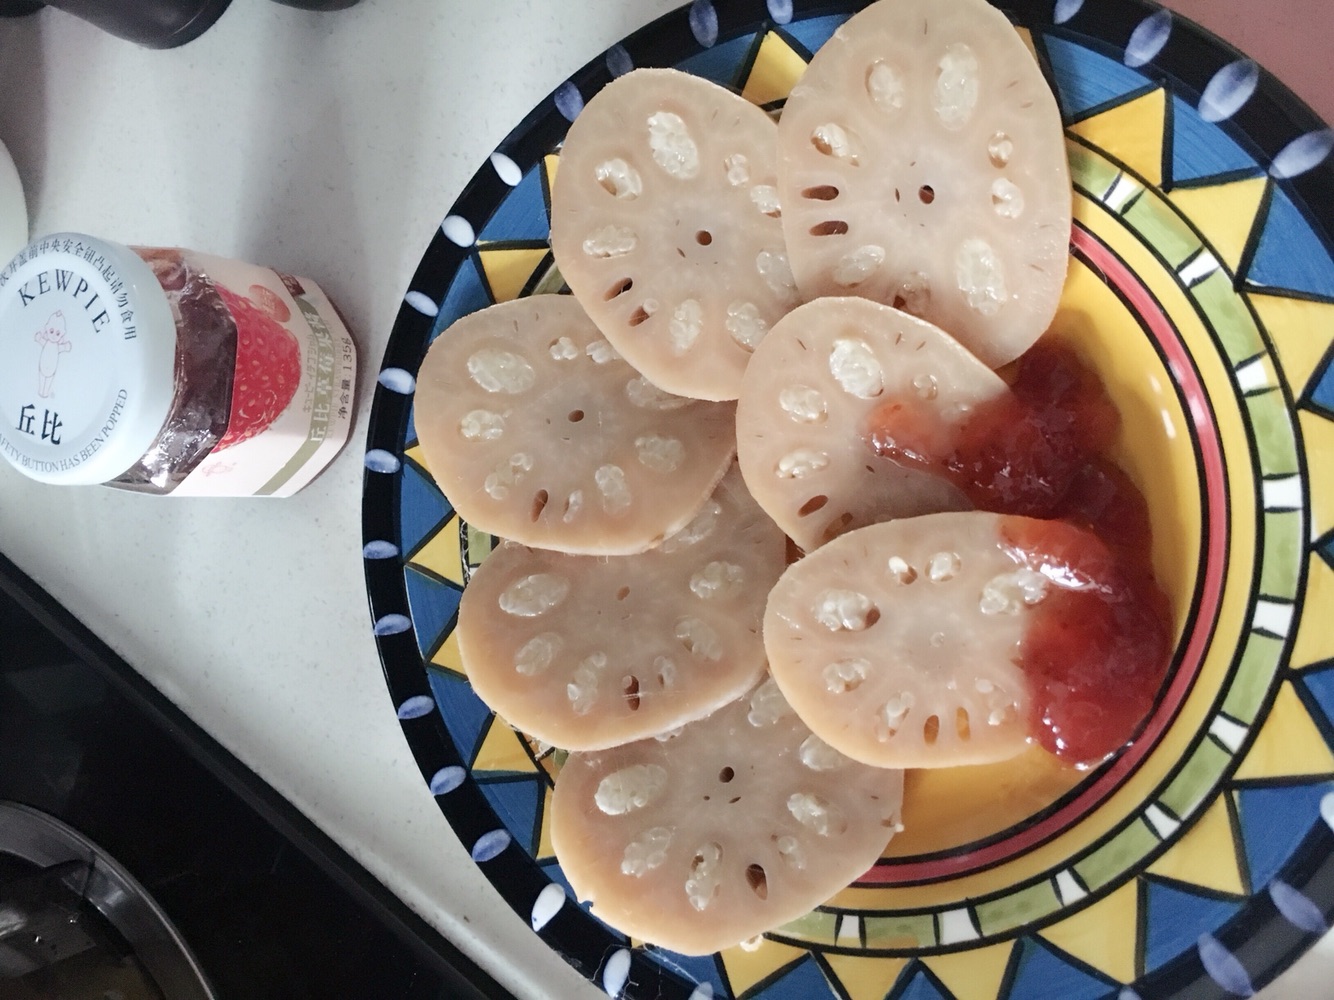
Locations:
(1098, 646)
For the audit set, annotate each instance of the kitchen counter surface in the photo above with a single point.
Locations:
(330, 146)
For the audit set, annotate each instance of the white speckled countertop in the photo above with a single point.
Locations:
(330, 146)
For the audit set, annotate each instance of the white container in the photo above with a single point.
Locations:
(168, 371)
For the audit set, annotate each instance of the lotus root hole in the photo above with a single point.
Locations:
(931, 730)
(812, 505)
(619, 179)
(821, 192)
(837, 526)
(613, 488)
(943, 567)
(845, 610)
(576, 416)
(927, 194)
(501, 371)
(958, 86)
(572, 504)
(803, 404)
(789, 850)
(672, 147)
(901, 570)
(534, 595)
(885, 86)
(980, 276)
(623, 593)
(704, 237)
(611, 241)
(832, 227)
(700, 639)
(705, 870)
(961, 725)
(758, 882)
(999, 149)
(738, 169)
(630, 687)
(834, 140)
(540, 499)
(857, 265)
(726, 775)
(855, 368)
(619, 289)
(1007, 200)
(640, 315)
(841, 677)
(801, 463)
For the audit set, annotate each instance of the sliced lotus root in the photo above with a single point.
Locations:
(806, 405)
(665, 223)
(586, 652)
(922, 164)
(538, 431)
(742, 822)
(896, 643)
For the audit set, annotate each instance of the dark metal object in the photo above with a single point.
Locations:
(272, 908)
(318, 4)
(41, 919)
(157, 24)
(48, 929)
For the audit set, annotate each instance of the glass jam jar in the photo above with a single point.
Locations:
(168, 371)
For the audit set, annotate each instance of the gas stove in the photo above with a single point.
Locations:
(140, 858)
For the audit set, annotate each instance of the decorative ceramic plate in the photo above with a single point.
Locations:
(1198, 863)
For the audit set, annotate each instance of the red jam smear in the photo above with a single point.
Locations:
(1097, 647)
(1099, 643)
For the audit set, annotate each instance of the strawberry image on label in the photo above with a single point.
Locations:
(268, 370)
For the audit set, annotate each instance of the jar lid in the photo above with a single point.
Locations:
(87, 359)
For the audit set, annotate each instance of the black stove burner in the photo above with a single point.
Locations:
(269, 905)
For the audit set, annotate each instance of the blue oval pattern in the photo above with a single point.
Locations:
(569, 102)
(1148, 38)
(447, 779)
(416, 707)
(392, 625)
(1223, 967)
(1296, 908)
(1304, 153)
(490, 846)
(1228, 89)
(398, 380)
(704, 23)
(379, 549)
(379, 460)
(618, 61)
(1065, 10)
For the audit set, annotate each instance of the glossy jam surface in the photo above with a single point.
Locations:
(1098, 645)
(1100, 641)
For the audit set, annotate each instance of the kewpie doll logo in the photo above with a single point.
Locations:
(55, 342)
